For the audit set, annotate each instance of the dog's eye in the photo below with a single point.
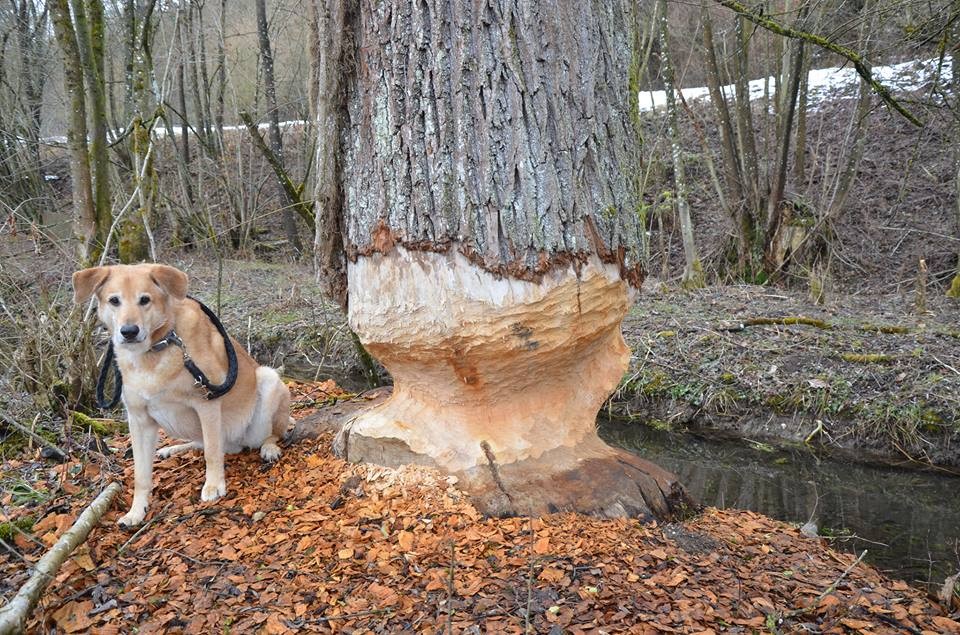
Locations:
(144, 300)
(115, 301)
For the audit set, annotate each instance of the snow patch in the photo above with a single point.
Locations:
(824, 84)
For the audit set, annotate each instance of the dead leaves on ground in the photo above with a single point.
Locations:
(403, 550)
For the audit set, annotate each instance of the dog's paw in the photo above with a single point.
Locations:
(213, 491)
(269, 452)
(132, 518)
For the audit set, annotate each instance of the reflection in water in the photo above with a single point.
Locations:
(914, 516)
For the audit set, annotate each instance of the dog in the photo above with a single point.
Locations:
(153, 328)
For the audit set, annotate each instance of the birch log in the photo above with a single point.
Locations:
(13, 616)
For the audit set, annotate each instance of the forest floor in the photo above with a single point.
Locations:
(311, 543)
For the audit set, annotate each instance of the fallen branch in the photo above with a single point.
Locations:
(33, 435)
(13, 616)
(293, 192)
(830, 589)
(788, 321)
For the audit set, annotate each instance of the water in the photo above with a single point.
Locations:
(908, 521)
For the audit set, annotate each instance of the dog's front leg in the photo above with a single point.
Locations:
(143, 438)
(215, 484)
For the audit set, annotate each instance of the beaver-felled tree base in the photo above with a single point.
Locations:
(498, 381)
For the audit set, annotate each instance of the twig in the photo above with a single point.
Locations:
(830, 589)
(156, 517)
(350, 616)
(33, 435)
(13, 616)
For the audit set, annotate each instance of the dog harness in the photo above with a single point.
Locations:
(211, 391)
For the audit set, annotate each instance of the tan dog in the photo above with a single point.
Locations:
(141, 305)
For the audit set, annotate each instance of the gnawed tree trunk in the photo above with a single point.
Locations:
(484, 163)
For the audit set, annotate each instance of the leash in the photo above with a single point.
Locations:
(211, 391)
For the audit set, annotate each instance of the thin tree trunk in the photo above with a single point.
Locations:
(276, 141)
(692, 271)
(747, 144)
(333, 65)
(84, 212)
(205, 82)
(221, 75)
(775, 200)
(731, 167)
(194, 78)
(90, 30)
(313, 86)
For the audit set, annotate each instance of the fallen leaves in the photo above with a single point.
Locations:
(404, 550)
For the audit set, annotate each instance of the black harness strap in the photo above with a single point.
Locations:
(108, 360)
(211, 391)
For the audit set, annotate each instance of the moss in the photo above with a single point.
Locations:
(788, 321)
(659, 424)
(100, 427)
(954, 290)
(694, 278)
(666, 334)
(10, 529)
(866, 358)
(728, 377)
(885, 328)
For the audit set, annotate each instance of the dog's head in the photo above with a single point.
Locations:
(133, 301)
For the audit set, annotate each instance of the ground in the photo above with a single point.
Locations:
(880, 375)
(311, 543)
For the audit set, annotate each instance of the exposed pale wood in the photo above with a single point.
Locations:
(499, 381)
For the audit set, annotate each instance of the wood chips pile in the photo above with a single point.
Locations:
(314, 544)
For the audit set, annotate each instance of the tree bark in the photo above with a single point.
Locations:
(483, 158)
(90, 30)
(14, 615)
(84, 212)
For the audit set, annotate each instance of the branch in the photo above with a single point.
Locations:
(292, 191)
(855, 58)
(7, 421)
(13, 616)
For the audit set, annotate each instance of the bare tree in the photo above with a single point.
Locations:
(276, 141)
(693, 270)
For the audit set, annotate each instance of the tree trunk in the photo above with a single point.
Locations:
(692, 270)
(84, 213)
(484, 161)
(90, 31)
(276, 141)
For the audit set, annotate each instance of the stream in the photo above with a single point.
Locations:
(907, 520)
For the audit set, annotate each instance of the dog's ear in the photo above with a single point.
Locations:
(87, 281)
(170, 279)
